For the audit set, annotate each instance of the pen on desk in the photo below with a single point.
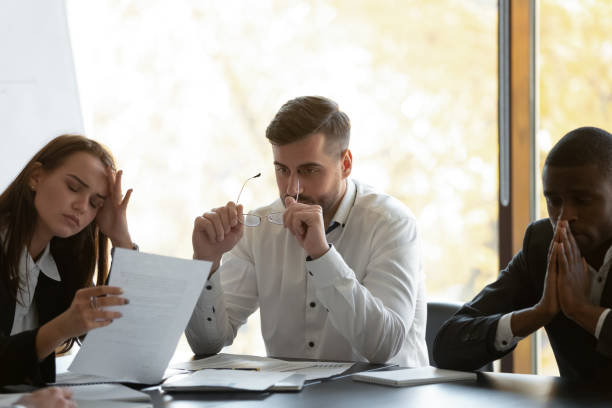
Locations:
(239, 368)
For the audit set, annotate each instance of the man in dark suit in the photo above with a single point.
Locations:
(558, 280)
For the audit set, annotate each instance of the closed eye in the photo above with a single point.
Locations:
(72, 188)
(96, 204)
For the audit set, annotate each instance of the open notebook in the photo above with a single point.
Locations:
(414, 376)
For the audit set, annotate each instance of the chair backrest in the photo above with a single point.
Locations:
(437, 314)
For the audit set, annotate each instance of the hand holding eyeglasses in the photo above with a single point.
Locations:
(305, 222)
(216, 232)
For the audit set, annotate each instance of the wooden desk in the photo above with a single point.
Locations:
(491, 390)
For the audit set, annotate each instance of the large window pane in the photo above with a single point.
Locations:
(182, 92)
(575, 84)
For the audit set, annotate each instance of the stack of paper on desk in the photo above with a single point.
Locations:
(137, 347)
(107, 392)
(414, 376)
(312, 370)
(223, 380)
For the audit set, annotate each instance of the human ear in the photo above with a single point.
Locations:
(36, 175)
(347, 163)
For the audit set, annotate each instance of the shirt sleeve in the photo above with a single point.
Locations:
(376, 313)
(19, 360)
(504, 338)
(600, 322)
(229, 297)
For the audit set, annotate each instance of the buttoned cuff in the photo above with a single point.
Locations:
(600, 322)
(324, 271)
(212, 289)
(504, 338)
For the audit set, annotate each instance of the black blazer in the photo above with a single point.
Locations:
(18, 360)
(466, 341)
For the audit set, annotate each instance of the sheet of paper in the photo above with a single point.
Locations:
(6, 400)
(107, 392)
(68, 378)
(112, 404)
(137, 347)
(245, 380)
(9, 399)
(323, 369)
(311, 369)
(414, 376)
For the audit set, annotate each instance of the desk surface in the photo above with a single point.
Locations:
(490, 390)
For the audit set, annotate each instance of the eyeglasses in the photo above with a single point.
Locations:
(253, 220)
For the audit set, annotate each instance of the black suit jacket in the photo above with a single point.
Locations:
(466, 341)
(18, 360)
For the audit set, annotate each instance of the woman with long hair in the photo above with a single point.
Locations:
(56, 219)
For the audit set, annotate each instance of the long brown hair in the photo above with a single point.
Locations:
(76, 256)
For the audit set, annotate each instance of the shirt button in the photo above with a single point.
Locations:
(208, 287)
(312, 304)
(311, 344)
(600, 279)
(505, 343)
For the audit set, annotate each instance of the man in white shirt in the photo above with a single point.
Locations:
(558, 280)
(334, 266)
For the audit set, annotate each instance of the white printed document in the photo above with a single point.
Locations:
(137, 347)
(222, 380)
(312, 370)
(414, 376)
(107, 392)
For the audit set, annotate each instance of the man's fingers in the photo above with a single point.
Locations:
(232, 213)
(573, 245)
(562, 260)
(289, 201)
(215, 221)
(567, 247)
(225, 219)
(203, 225)
(557, 232)
(551, 249)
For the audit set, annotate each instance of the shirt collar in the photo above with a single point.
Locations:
(47, 265)
(345, 206)
(608, 256)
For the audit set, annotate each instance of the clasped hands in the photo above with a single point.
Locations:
(217, 231)
(567, 283)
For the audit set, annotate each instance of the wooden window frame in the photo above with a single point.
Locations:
(517, 158)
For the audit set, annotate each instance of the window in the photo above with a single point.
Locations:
(575, 85)
(182, 93)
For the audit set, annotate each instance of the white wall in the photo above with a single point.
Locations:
(38, 92)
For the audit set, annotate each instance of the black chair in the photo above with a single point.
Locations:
(437, 314)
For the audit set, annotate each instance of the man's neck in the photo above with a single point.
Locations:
(597, 257)
(329, 215)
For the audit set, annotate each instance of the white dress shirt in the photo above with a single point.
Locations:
(505, 339)
(364, 300)
(26, 314)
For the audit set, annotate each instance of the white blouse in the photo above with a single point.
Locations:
(26, 314)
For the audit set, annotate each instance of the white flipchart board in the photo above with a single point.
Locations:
(38, 91)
